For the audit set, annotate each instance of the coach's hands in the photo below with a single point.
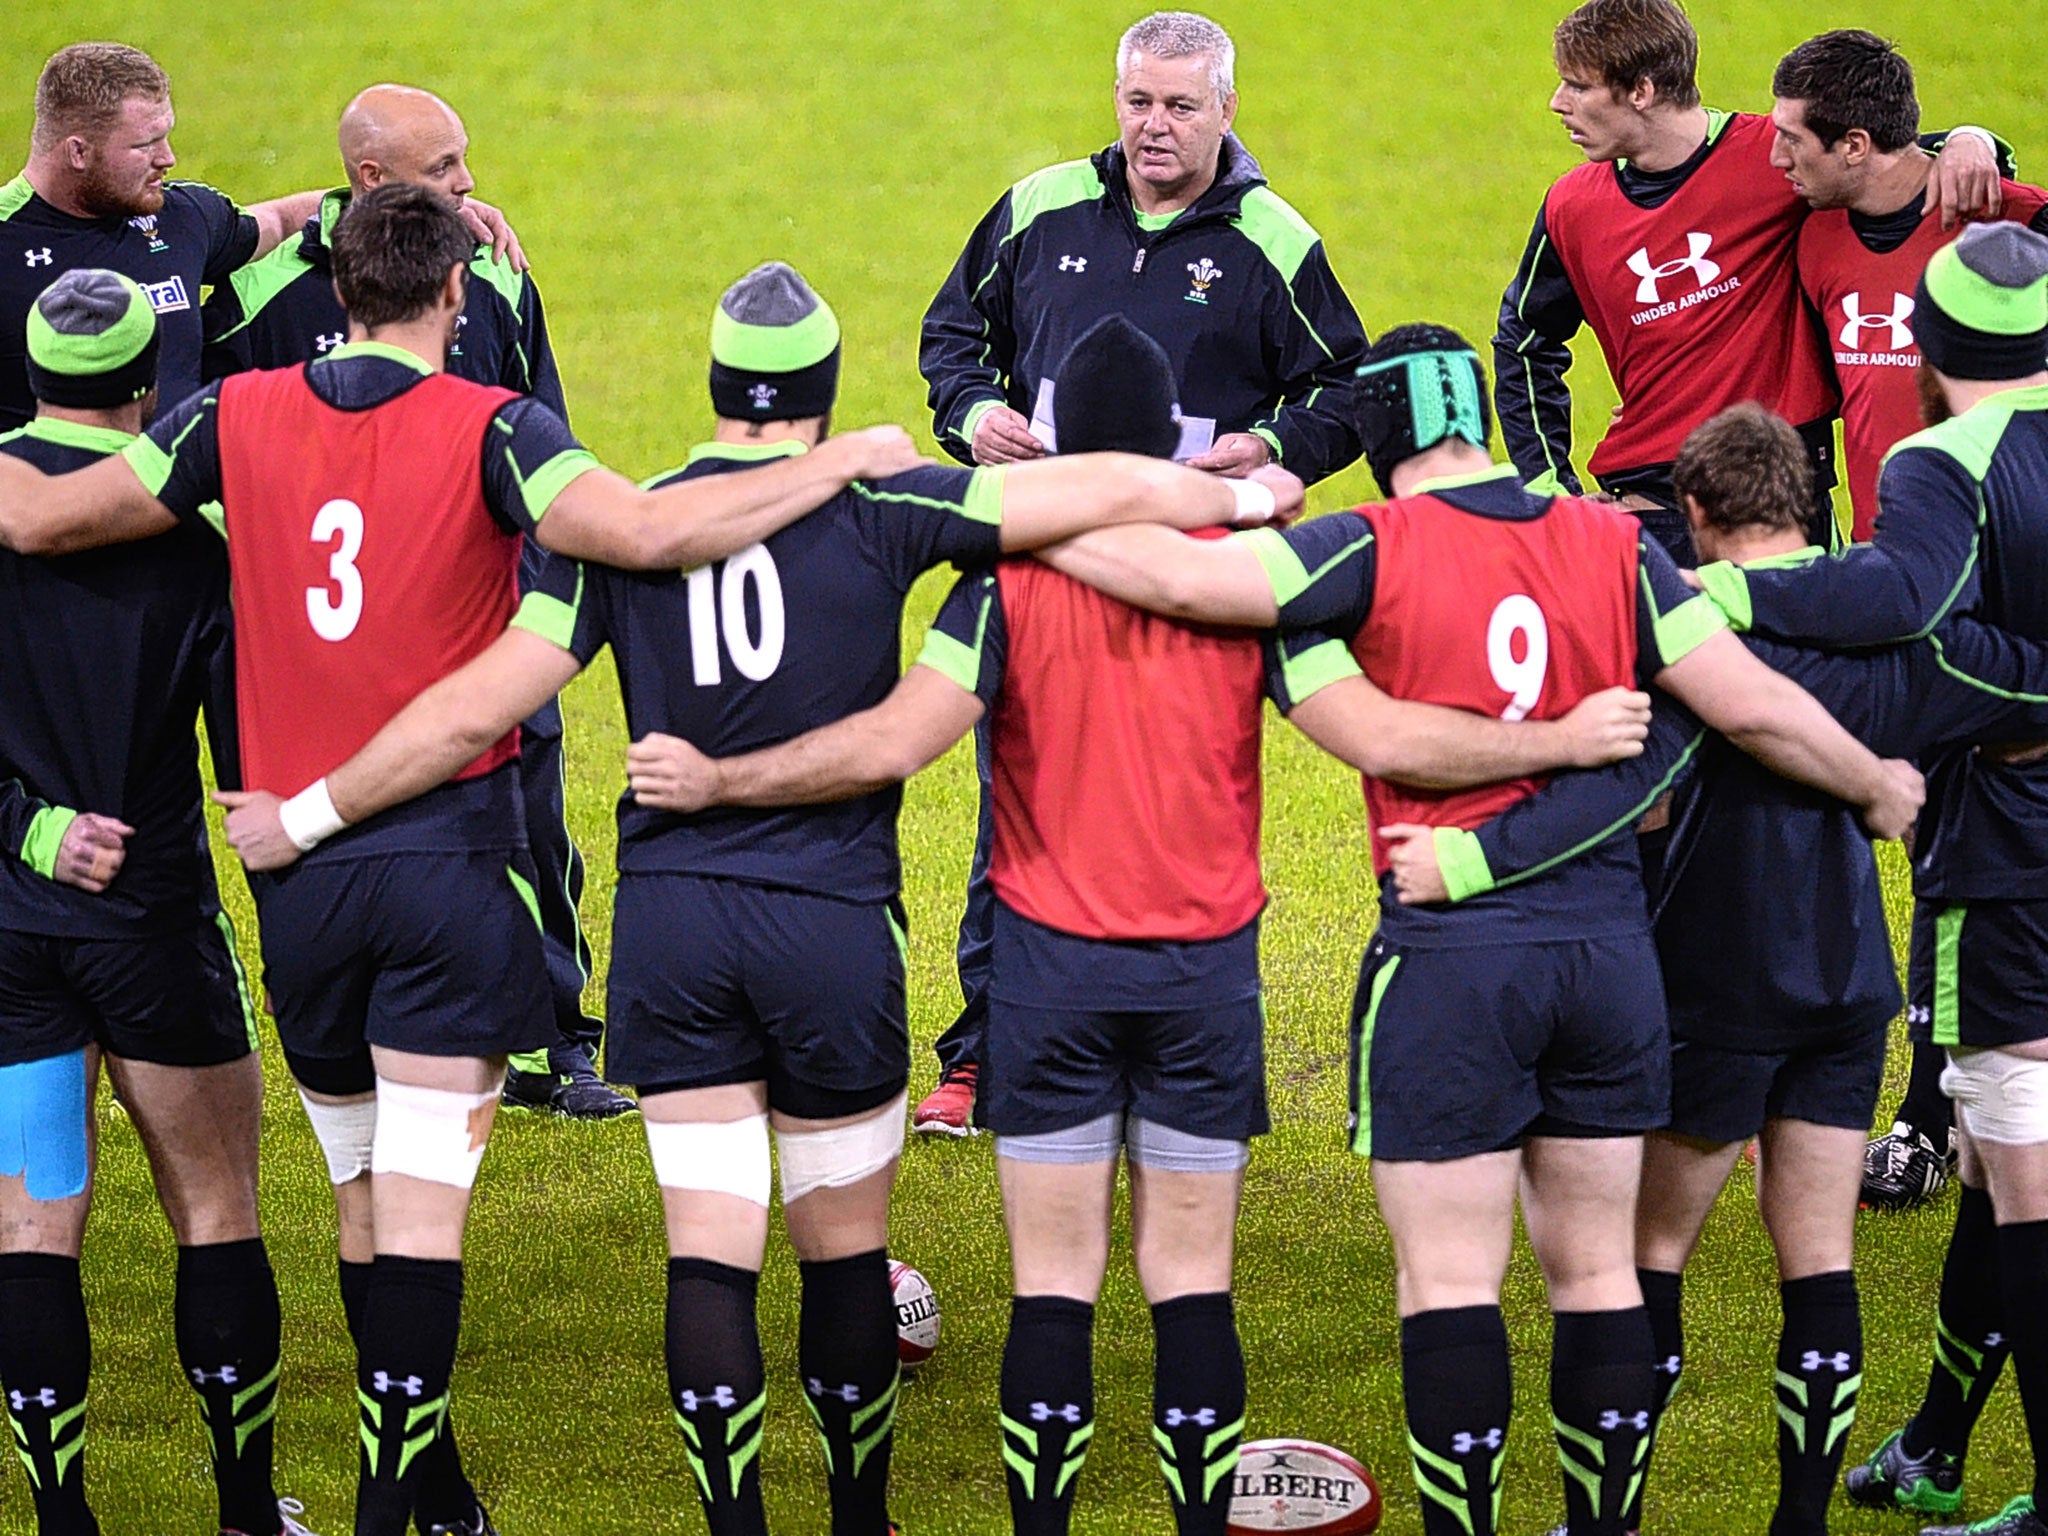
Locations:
(1965, 183)
(91, 851)
(1235, 454)
(1604, 728)
(490, 228)
(1411, 860)
(1900, 795)
(871, 453)
(666, 773)
(256, 831)
(1002, 436)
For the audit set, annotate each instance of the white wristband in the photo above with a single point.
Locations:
(309, 816)
(1255, 502)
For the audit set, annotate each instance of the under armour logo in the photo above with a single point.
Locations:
(383, 1382)
(1993, 1340)
(40, 258)
(1668, 1366)
(1463, 1444)
(1610, 1419)
(327, 341)
(1813, 1360)
(850, 1393)
(1206, 1417)
(225, 1376)
(1041, 1412)
(1073, 263)
(47, 1398)
(720, 1396)
(1855, 322)
(763, 396)
(1694, 261)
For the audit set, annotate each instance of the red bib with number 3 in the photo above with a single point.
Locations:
(1519, 619)
(366, 564)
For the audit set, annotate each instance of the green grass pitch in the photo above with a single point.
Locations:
(650, 156)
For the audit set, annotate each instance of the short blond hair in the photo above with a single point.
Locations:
(82, 88)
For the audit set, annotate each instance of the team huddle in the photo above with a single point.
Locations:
(305, 469)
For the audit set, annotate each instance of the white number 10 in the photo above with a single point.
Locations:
(333, 620)
(1521, 680)
(755, 660)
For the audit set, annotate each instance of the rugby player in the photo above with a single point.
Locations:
(1846, 118)
(1779, 1003)
(758, 963)
(283, 310)
(1522, 1040)
(1960, 535)
(368, 560)
(1676, 243)
(1174, 227)
(113, 945)
(94, 194)
(1125, 1005)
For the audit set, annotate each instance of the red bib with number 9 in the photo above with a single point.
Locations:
(366, 564)
(1519, 619)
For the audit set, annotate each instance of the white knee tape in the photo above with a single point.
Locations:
(345, 1133)
(1998, 1096)
(846, 1154)
(431, 1133)
(716, 1157)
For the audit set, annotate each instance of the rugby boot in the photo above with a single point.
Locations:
(1904, 1168)
(2016, 1519)
(572, 1090)
(1931, 1483)
(948, 1110)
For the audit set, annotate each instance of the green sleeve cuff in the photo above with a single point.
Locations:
(1463, 863)
(983, 502)
(1315, 669)
(971, 422)
(957, 663)
(1283, 567)
(549, 481)
(1546, 484)
(1728, 585)
(1272, 442)
(46, 831)
(548, 617)
(1687, 627)
(151, 464)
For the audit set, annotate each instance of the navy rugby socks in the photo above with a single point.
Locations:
(1819, 1375)
(1664, 1300)
(1048, 1409)
(404, 1358)
(1969, 1339)
(1601, 1394)
(226, 1321)
(718, 1388)
(1455, 1381)
(1198, 1407)
(2023, 1280)
(846, 1354)
(45, 1358)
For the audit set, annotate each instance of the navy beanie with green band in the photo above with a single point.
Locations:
(1115, 394)
(774, 349)
(1981, 311)
(1419, 385)
(92, 341)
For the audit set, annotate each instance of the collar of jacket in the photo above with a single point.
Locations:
(1237, 172)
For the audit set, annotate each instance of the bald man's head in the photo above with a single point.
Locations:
(399, 133)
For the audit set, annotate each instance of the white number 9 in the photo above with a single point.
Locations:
(333, 620)
(1521, 680)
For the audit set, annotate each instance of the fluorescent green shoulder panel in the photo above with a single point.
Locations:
(1973, 437)
(1055, 187)
(1266, 219)
(14, 197)
(259, 282)
(501, 275)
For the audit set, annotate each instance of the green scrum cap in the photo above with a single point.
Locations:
(92, 341)
(1982, 308)
(774, 348)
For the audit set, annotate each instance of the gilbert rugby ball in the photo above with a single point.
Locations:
(1298, 1485)
(917, 1316)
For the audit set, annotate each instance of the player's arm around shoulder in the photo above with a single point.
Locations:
(111, 502)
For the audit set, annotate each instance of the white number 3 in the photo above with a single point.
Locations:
(1521, 680)
(333, 620)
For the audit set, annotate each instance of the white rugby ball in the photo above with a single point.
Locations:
(917, 1316)
(1299, 1485)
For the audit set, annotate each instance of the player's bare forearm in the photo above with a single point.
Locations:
(1057, 498)
(451, 724)
(1214, 581)
(60, 514)
(280, 218)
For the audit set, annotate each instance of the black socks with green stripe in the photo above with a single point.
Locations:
(443, 1494)
(1664, 1302)
(225, 1317)
(404, 1358)
(1601, 1391)
(846, 1354)
(718, 1388)
(1455, 1382)
(1819, 1374)
(45, 1358)
(1197, 1407)
(1969, 1337)
(1048, 1408)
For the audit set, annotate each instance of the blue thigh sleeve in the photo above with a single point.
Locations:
(42, 1125)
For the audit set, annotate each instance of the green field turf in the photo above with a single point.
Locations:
(648, 157)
